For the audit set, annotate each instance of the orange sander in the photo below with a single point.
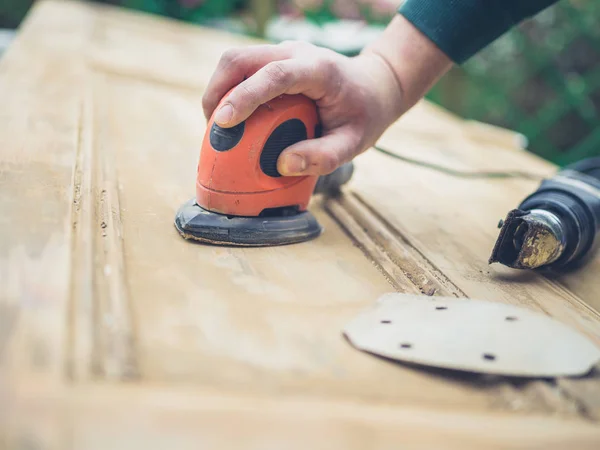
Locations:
(241, 198)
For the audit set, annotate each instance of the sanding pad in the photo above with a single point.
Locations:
(471, 335)
(196, 223)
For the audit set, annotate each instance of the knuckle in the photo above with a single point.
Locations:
(329, 162)
(249, 97)
(277, 73)
(327, 65)
(230, 57)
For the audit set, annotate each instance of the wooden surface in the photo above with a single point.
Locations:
(116, 333)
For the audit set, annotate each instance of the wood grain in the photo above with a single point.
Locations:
(113, 329)
(114, 355)
(155, 416)
(259, 315)
(40, 87)
(452, 221)
(397, 257)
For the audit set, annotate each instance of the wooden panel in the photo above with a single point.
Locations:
(40, 87)
(263, 320)
(111, 325)
(155, 417)
(163, 51)
(427, 134)
(452, 221)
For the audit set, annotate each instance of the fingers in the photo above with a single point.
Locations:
(318, 156)
(274, 79)
(234, 66)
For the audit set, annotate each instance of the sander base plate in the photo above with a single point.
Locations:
(196, 223)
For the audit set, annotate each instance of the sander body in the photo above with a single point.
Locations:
(241, 198)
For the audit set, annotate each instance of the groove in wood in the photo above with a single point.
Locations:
(400, 262)
(101, 336)
(583, 391)
(408, 271)
(79, 311)
(114, 353)
(575, 300)
(150, 132)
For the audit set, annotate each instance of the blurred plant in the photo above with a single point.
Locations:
(188, 10)
(12, 12)
(198, 11)
(541, 79)
(323, 11)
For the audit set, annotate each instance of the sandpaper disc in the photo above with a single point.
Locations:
(471, 335)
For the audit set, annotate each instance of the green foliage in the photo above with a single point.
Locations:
(327, 11)
(541, 79)
(189, 11)
(321, 14)
(12, 12)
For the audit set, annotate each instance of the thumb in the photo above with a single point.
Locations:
(318, 156)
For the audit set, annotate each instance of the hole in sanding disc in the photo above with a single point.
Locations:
(405, 345)
(386, 321)
(441, 308)
(489, 357)
(510, 318)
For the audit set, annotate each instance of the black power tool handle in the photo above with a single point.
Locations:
(589, 169)
(588, 166)
(573, 195)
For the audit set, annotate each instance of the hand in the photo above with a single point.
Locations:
(357, 98)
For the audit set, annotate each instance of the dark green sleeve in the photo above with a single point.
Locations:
(460, 28)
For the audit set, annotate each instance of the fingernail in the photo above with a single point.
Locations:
(224, 114)
(293, 164)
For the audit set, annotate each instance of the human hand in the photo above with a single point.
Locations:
(357, 98)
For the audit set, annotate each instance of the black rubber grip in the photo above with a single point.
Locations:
(223, 139)
(587, 166)
(286, 134)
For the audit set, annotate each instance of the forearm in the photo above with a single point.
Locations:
(428, 36)
(416, 62)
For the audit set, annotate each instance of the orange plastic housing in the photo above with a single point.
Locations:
(232, 182)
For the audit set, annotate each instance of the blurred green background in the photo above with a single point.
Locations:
(541, 79)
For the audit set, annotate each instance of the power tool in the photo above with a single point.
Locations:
(241, 198)
(556, 226)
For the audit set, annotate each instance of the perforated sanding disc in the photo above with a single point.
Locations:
(471, 335)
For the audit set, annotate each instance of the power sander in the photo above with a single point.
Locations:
(241, 198)
(556, 226)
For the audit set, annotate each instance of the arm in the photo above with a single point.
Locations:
(416, 62)
(461, 28)
(421, 43)
(359, 98)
